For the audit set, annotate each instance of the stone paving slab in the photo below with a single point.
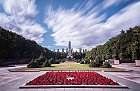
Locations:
(131, 85)
(132, 76)
(6, 78)
(69, 89)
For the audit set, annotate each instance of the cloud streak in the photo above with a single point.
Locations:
(85, 26)
(19, 17)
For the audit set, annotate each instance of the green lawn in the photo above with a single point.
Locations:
(69, 66)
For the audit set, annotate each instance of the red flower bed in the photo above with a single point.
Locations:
(71, 78)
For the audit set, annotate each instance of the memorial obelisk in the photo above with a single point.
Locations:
(69, 56)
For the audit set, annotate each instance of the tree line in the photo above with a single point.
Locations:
(125, 46)
(14, 46)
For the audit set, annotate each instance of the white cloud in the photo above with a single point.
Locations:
(85, 29)
(24, 8)
(108, 3)
(19, 17)
(127, 17)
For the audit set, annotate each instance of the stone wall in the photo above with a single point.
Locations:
(116, 61)
(1, 62)
(137, 62)
(111, 61)
(13, 61)
(123, 61)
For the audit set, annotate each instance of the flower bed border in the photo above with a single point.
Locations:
(73, 86)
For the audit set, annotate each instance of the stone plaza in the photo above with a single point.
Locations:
(11, 81)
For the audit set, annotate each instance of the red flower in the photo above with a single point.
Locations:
(71, 78)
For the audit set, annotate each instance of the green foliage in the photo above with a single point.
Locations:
(62, 61)
(40, 62)
(47, 63)
(97, 59)
(106, 65)
(53, 61)
(107, 56)
(114, 56)
(103, 57)
(14, 46)
(60, 55)
(121, 56)
(126, 45)
(78, 60)
(57, 61)
(79, 55)
(134, 47)
(41, 58)
(82, 62)
(95, 64)
(33, 64)
(63, 54)
(87, 61)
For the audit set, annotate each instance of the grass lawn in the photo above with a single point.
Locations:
(68, 66)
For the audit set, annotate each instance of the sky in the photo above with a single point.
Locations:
(53, 23)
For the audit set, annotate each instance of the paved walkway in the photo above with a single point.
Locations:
(132, 76)
(10, 81)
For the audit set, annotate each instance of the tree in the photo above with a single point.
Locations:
(125, 45)
(134, 50)
(47, 63)
(106, 65)
(121, 56)
(87, 60)
(14, 46)
(33, 64)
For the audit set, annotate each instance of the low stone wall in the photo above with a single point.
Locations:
(22, 61)
(13, 61)
(116, 61)
(111, 61)
(1, 62)
(123, 61)
(137, 62)
(127, 61)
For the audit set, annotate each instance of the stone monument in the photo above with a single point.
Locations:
(69, 56)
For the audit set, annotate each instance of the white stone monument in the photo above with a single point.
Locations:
(69, 56)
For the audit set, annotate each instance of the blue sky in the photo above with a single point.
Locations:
(52, 23)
